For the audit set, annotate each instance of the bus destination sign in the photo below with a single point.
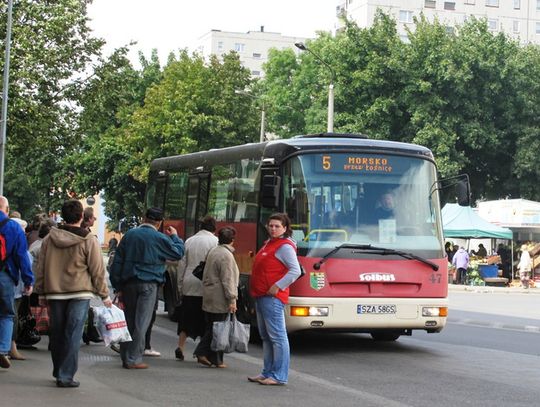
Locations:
(355, 163)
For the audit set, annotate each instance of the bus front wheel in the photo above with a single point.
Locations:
(385, 335)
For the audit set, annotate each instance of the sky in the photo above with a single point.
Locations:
(169, 25)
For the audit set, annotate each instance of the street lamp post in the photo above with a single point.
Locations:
(5, 85)
(330, 126)
(263, 112)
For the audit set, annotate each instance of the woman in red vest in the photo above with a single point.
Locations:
(275, 268)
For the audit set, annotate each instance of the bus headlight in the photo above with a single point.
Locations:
(434, 311)
(309, 311)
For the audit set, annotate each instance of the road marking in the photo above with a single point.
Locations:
(495, 325)
(368, 397)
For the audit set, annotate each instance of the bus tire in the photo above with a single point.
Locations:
(385, 335)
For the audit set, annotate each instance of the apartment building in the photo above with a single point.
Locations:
(518, 18)
(252, 46)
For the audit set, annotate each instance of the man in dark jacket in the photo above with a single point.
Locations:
(17, 263)
(137, 270)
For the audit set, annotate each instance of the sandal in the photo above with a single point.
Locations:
(270, 382)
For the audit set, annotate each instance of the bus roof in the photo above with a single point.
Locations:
(282, 148)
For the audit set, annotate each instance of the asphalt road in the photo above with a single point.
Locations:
(486, 356)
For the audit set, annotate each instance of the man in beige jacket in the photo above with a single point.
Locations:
(69, 272)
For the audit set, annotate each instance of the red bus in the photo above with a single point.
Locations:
(366, 218)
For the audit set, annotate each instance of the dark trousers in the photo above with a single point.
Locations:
(462, 275)
(65, 333)
(203, 348)
(139, 300)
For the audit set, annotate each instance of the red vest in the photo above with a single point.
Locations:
(267, 270)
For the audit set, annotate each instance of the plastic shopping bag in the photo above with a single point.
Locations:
(111, 324)
(230, 335)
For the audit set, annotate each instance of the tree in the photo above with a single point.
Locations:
(470, 95)
(194, 107)
(101, 164)
(50, 52)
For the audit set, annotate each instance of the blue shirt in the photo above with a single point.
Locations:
(18, 263)
(141, 255)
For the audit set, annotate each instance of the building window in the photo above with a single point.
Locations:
(515, 26)
(220, 46)
(517, 4)
(537, 27)
(492, 3)
(449, 29)
(256, 55)
(430, 3)
(406, 16)
(256, 73)
(492, 24)
(470, 1)
(537, 5)
(239, 47)
(449, 5)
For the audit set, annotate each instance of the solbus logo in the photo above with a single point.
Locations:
(377, 277)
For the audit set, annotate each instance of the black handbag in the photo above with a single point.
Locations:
(199, 270)
(27, 334)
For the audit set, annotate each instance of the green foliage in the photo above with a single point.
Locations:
(51, 47)
(84, 124)
(470, 95)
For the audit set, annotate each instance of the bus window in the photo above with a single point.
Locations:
(155, 195)
(385, 203)
(197, 197)
(175, 205)
(233, 193)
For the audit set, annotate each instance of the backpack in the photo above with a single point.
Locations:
(3, 246)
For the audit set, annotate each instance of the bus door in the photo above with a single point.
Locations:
(197, 201)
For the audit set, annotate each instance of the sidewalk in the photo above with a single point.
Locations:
(491, 289)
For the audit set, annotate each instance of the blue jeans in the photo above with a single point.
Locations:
(7, 311)
(139, 300)
(66, 324)
(271, 324)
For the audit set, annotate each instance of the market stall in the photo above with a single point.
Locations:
(463, 223)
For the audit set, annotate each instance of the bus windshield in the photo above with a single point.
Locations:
(359, 198)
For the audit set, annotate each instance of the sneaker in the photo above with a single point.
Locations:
(115, 347)
(4, 361)
(151, 352)
(179, 354)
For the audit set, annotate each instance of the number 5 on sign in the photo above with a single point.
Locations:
(326, 162)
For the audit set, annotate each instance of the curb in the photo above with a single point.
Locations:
(490, 289)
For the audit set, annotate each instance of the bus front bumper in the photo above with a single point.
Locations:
(365, 314)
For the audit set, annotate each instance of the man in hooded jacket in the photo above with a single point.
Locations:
(69, 272)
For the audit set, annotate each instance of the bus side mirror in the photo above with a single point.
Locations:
(464, 192)
(270, 191)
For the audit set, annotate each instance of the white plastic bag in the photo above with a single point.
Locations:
(111, 324)
(230, 335)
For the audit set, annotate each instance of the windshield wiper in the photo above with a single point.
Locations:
(367, 248)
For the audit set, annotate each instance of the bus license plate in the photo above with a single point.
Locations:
(376, 309)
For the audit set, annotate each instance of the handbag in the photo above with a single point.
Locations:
(199, 270)
(27, 334)
(230, 335)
